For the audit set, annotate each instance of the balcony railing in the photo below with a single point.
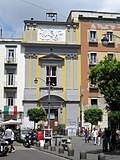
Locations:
(93, 40)
(93, 86)
(93, 62)
(11, 60)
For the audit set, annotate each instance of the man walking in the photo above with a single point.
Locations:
(8, 136)
(95, 133)
(12, 140)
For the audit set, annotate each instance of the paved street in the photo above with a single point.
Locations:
(42, 154)
(23, 153)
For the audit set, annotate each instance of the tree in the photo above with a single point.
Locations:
(93, 115)
(36, 115)
(114, 117)
(106, 75)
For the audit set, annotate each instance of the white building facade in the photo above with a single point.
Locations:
(12, 72)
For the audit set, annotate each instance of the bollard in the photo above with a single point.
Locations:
(83, 155)
(52, 148)
(46, 146)
(42, 144)
(101, 156)
(60, 150)
(70, 152)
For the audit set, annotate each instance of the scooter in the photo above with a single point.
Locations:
(27, 142)
(3, 147)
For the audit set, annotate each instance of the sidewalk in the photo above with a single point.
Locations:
(79, 145)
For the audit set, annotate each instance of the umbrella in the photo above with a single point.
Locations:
(12, 122)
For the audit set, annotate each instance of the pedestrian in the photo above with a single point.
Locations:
(105, 147)
(108, 138)
(89, 134)
(99, 136)
(8, 136)
(113, 140)
(12, 140)
(86, 135)
(94, 134)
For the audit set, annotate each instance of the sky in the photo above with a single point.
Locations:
(14, 12)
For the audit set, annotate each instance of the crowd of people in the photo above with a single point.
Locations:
(107, 138)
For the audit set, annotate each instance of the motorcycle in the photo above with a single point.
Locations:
(27, 142)
(3, 147)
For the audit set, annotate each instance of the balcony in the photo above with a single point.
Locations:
(93, 40)
(93, 86)
(92, 62)
(11, 60)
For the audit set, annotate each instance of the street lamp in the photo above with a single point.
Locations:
(105, 39)
(49, 86)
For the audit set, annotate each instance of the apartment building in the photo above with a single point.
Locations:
(53, 45)
(94, 26)
(12, 68)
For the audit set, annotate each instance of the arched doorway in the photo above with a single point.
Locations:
(56, 105)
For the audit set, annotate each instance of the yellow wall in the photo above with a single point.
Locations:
(24, 36)
(79, 73)
(38, 74)
(31, 35)
(30, 72)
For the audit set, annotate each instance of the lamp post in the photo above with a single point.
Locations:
(81, 96)
(36, 81)
(105, 39)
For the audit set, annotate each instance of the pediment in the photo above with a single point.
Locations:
(52, 56)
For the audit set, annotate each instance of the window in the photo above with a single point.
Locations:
(94, 102)
(10, 79)
(93, 57)
(110, 36)
(11, 55)
(53, 78)
(92, 35)
(10, 101)
(110, 55)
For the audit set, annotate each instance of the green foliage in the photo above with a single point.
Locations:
(93, 115)
(114, 116)
(106, 75)
(36, 114)
(60, 129)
